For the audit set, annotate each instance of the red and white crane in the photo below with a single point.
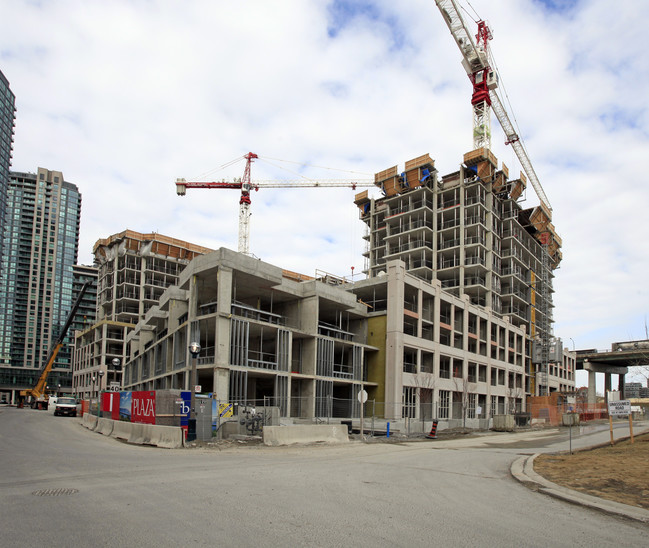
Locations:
(246, 186)
(479, 66)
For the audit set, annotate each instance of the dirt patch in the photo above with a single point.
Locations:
(619, 473)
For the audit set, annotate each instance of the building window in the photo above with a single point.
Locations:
(444, 367)
(409, 402)
(444, 399)
(470, 412)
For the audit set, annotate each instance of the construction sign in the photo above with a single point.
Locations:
(225, 410)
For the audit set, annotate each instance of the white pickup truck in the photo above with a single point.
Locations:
(66, 406)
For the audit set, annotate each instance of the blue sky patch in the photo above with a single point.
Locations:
(557, 6)
(342, 13)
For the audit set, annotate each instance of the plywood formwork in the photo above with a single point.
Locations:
(540, 218)
(421, 161)
(478, 155)
(164, 245)
(361, 198)
(388, 181)
(517, 187)
(500, 181)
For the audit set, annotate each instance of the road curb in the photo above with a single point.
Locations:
(522, 469)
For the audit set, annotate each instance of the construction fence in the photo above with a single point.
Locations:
(412, 417)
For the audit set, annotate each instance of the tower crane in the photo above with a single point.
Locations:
(478, 64)
(246, 186)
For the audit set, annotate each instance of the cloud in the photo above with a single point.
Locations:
(124, 97)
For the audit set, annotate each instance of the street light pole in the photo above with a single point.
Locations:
(116, 362)
(194, 350)
(92, 393)
(101, 376)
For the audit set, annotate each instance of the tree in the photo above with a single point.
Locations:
(465, 389)
(425, 383)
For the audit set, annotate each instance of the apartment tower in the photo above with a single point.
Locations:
(41, 239)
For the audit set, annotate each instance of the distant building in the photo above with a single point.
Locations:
(41, 240)
(632, 390)
(87, 311)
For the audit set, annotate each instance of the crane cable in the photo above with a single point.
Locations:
(267, 159)
(206, 174)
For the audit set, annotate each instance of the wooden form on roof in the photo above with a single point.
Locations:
(388, 181)
(133, 240)
(361, 198)
(421, 161)
(518, 187)
(500, 181)
(393, 183)
(478, 155)
(295, 276)
(417, 169)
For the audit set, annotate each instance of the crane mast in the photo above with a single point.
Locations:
(476, 63)
(246, 186)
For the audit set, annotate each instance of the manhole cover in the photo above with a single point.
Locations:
(54, 492)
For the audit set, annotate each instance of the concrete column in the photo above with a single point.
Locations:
(607, 386)
(621, 380)
(394, 340)
(592, 387)
(221, 384)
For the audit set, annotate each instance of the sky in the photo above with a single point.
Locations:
(123, 97)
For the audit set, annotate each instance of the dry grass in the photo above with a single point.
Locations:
(619, 473)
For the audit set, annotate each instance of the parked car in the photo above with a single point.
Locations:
(66, 406)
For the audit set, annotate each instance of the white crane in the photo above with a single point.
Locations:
(476, 60)
(245, 185)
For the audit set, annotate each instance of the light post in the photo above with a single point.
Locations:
(116, 363)
(92, 393)
(101, 376)
(194, 350)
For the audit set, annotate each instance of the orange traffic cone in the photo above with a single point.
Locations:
(433, 431)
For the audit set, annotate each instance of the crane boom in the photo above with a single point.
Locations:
(246, 185)
(39, 388)
(514, 140)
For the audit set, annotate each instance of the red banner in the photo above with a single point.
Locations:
(110, 405)
(143, 407)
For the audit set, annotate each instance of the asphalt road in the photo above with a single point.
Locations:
(62, 485)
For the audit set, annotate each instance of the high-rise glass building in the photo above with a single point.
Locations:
(41, 240)
(7, 121)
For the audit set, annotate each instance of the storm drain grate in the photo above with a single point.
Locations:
(54, 492)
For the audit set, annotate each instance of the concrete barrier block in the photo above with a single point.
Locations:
(137, 433)
(105, 427)
(122, 430)
(287, 435)
(169, 437)
(503, 423)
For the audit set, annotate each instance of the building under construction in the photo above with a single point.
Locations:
(134, 269)
(469, 231)
(445, 326)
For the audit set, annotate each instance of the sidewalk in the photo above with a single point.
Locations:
(522, 469)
